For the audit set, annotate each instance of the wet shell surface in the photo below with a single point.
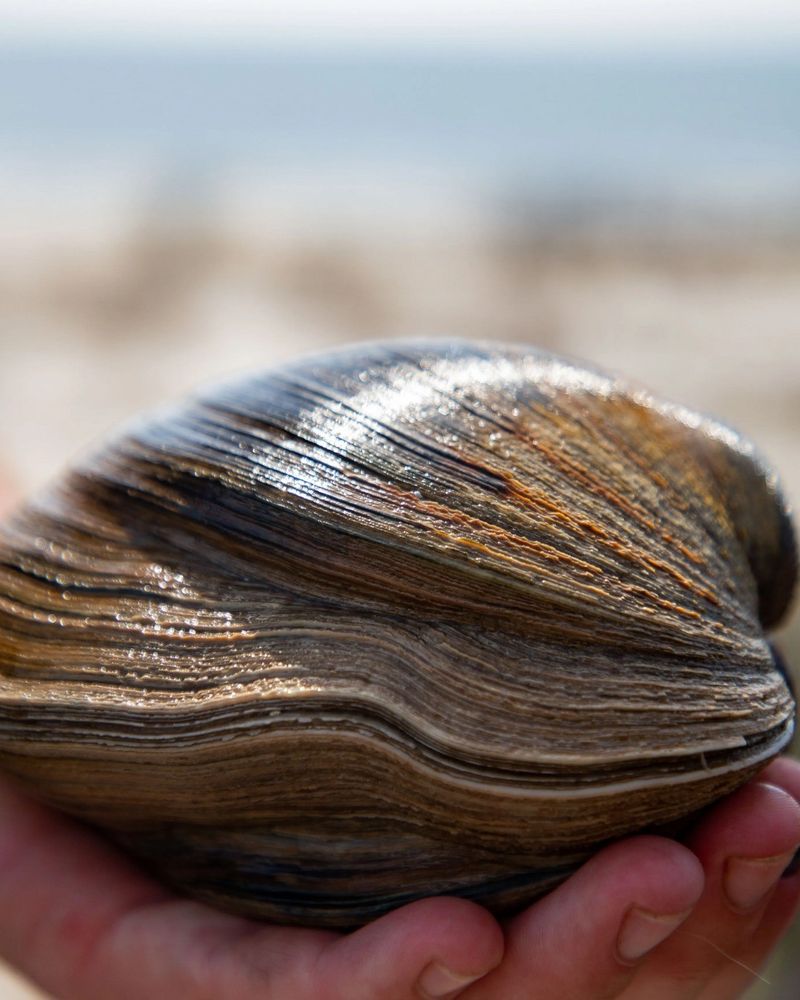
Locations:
(404, 620)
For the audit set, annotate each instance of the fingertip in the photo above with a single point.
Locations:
(785, 773)
(461, 929)
(439, 944)
(760, 820)
(654, 873)
(651, 885)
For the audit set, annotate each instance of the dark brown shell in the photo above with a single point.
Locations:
(401, 620)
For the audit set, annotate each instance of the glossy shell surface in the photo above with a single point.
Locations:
(407, 619)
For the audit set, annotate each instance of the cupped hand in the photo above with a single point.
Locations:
(645, 918)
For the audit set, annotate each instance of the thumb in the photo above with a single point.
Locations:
(432, 948)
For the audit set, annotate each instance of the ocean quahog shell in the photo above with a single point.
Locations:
(396, 621)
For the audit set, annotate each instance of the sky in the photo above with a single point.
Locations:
(544, 23)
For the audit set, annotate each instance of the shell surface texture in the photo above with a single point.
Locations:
(401, 620)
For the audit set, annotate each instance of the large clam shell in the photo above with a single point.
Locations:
(409, 619)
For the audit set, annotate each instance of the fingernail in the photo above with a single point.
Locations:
(748, 880)
(642, 931)
(440, 982)
(793, 867)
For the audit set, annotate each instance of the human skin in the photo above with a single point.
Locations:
(646, 919)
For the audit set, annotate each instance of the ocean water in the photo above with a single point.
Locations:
(698, 125)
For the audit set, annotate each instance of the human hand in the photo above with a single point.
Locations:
(84, 923)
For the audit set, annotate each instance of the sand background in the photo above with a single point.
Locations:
(105, 313)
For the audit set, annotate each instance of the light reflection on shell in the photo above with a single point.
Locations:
(408, 619)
